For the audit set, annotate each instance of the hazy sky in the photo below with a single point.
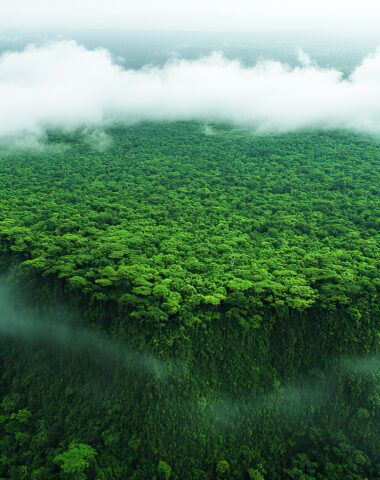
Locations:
(207, 15)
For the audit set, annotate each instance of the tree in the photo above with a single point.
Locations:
(76, 460)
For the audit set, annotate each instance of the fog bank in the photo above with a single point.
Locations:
(64, 85)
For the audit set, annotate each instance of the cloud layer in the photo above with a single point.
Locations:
(64, 85)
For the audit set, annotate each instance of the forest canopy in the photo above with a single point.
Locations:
(226, 290)
(169, 215)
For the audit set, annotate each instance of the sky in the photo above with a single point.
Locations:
(193, 15)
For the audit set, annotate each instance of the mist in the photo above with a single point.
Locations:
(58, 333)
(60, 330)
(65, 85)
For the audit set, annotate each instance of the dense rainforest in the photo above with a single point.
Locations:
(186, 301)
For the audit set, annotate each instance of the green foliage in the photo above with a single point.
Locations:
(337, 460)
(222, 468)
(76, 460)
(247, 266)
(172, 217)
(256, 473)
(164, 470)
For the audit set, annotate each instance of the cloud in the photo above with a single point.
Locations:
(303, 58)
(64, 85)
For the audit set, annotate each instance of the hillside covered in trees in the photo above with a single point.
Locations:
(182, 301)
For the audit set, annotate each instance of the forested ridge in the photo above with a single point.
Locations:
(243, 269)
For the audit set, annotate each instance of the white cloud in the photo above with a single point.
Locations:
(303, 58)
(63, 84)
